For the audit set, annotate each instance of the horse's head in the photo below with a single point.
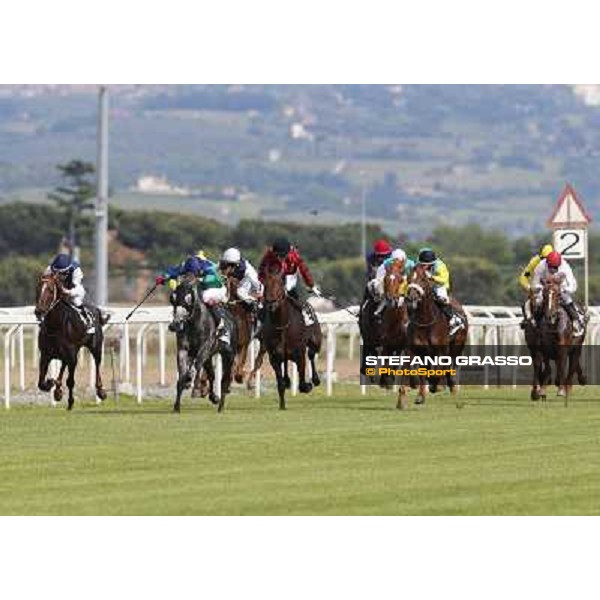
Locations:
(392, 282)
(274, 292)
(48, 293)
(183, 300)
(551, 297)
(419, 286)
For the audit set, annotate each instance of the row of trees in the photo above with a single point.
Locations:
(484, 263)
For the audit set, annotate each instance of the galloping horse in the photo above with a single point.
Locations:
(553, 339)
(371, 328)
(62, 334)
(428, 331)
(243, 319)
(286, 337)
(394, 323)
(197, 343)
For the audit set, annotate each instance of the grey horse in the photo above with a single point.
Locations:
(197, 343)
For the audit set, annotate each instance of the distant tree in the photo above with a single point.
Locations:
(73, 198)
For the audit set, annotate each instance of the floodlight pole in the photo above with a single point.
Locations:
(101, 250)
(363, 220)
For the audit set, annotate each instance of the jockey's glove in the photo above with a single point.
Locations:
(160, 280)
(315, 291)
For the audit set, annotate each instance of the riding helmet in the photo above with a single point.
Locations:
(61, 263)
(427, 256)
(554, 259)
(281, 247)
(382, 247)
(231, 256)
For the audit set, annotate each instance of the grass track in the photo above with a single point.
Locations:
(498, 454)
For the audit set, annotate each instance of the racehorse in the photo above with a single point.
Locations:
(62, 334)
(370, 327)
(428, 331)
(553, 340)
(244, 321)
(286, 336)
(394, 322)
(197, 343)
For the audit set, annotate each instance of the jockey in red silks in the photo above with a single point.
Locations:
(382, 250)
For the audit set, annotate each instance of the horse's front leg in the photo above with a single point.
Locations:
(184, 376)
(45, 385)
(560, 371)
(277, 361)
(72, 366)
(58, 393)
(304, 387)
(96, 351)
(257, 365)
(423, 388)
(228, 359)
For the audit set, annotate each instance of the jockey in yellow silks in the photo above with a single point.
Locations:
(525, 280)
(440, 277)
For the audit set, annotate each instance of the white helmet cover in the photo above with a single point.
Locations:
(398, 254)
(232, 255)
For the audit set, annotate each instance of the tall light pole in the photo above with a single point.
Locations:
(363, 217)
(102, 200)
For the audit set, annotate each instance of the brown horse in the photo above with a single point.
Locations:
(394, 323)
(553, 340)
(245, 322)
(286, 337)
(428, 331)
(62, 334)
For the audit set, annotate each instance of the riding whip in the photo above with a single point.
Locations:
(148, 294)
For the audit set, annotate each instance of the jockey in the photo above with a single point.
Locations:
(375, 286)
(172, 274)
(438, 272)
(249, 289)
(381, 251)
(210, 285)
(555, 264)
(525, 280)
(71, 278)
(285, 257)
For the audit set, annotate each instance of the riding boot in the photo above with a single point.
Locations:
(377, 313)
(454, 321)
(87, 318)
(222, 330)
(575, 319)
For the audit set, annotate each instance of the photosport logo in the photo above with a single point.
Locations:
(480, 365)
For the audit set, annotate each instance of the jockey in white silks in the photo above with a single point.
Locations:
(555, 264)
(249, 288)
(71, 275)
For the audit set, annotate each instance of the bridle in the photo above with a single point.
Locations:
(48, 282)
(412, 304)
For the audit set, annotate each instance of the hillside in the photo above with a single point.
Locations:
(426, 155)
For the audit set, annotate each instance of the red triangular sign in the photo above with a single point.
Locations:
(569, 211)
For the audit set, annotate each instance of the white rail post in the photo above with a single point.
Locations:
(21, 358)
(139, 349)
(351, 342)
(329, 359)
(34, 346)
(91, 370)
(162, 352)
(125, 365)
(7, 364)
(294, 379)
(363, 387)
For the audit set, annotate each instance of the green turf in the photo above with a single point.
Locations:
(496, 454)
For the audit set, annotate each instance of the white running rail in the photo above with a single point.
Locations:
(487, 325)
